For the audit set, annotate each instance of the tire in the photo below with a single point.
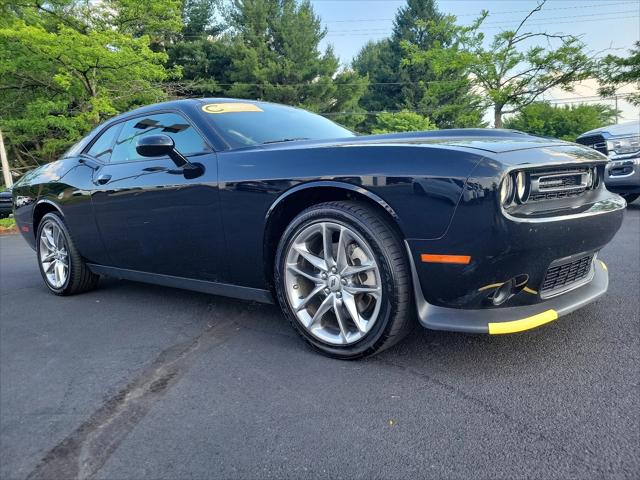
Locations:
(630, 197)
(78, 277)
(370, 238)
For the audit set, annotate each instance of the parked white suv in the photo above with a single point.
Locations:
(621, 143)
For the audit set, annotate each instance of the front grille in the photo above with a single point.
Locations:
(558, 183)
(562, 276)
(597, 142)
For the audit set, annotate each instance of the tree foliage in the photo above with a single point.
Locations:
(616, 72)
(404, 121)
(397, 83)
(67, 66)
(270, 51)
(514, 70)
(566, 122)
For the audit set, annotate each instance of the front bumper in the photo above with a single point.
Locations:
(623, 175)
(509, 319)
(6, 209)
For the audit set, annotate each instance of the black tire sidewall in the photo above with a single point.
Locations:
(54, 218)
(369, 343)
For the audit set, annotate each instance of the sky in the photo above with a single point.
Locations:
(604, 25)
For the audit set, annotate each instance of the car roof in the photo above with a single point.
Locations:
(185, 102)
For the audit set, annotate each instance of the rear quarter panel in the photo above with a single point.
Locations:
(66, 186)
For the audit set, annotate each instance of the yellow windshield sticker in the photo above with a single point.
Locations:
(231, 107)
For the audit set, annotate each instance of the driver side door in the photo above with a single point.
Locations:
(153, 216)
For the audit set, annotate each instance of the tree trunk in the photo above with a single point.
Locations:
(8, 181)
(497, 116)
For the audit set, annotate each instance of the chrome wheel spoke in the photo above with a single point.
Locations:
(349, 302)
(330, 268)
(48, 238)
(354, 289)
(311, 258)
(324, 307)
(59, 239)
(341, 325)
(298, 271)
(351, 270)
(327, 246)
(341, 257)
(48, 257)
(305, 301)
(59, 271)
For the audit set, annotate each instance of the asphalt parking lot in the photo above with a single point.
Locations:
(137, 381)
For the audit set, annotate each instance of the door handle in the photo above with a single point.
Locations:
(102, 179)
(155, 169)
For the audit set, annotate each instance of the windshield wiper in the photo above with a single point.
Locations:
(285, 140)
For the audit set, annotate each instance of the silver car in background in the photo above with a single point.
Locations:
(621, 143)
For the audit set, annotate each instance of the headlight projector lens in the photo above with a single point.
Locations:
(506, 191)
(521, 187)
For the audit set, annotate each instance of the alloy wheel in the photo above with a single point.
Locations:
(54, 256)
(333, 283)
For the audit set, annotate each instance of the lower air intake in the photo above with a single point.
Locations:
(564, 276)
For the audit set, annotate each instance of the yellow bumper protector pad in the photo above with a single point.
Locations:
(524, 324)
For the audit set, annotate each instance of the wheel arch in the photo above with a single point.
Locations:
(40, 210)
(290, 203)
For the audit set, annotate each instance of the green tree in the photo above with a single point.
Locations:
(198, 18)
(60, 76)
(508, 73)
(615, 72)
(271, 52)
(396, 83)
(404, 121)
(566, 122)
(376, 61)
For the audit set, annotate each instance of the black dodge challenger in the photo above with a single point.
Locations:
(482, 231)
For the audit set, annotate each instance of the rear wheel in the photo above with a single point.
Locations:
(342, 279)
(63, 270)
(630, 197)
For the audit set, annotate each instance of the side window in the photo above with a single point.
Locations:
(188, 141)
(103, 146)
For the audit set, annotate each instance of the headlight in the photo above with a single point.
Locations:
(506, 191)
(624, 145)
(521, 187)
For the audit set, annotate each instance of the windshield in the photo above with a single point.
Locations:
(246, 124)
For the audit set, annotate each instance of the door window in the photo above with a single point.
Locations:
(103, 146)
(187, 140)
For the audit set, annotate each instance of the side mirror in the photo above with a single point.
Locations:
(160, 146)
(155, 146)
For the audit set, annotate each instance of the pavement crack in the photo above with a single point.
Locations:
(82, 453)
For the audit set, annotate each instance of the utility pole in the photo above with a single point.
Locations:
(616, 97)
(8, 181)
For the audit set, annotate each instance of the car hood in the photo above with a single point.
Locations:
(488, 140)
(622, 129)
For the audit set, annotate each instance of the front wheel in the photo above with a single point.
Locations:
(342, 278)
(630, 197)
